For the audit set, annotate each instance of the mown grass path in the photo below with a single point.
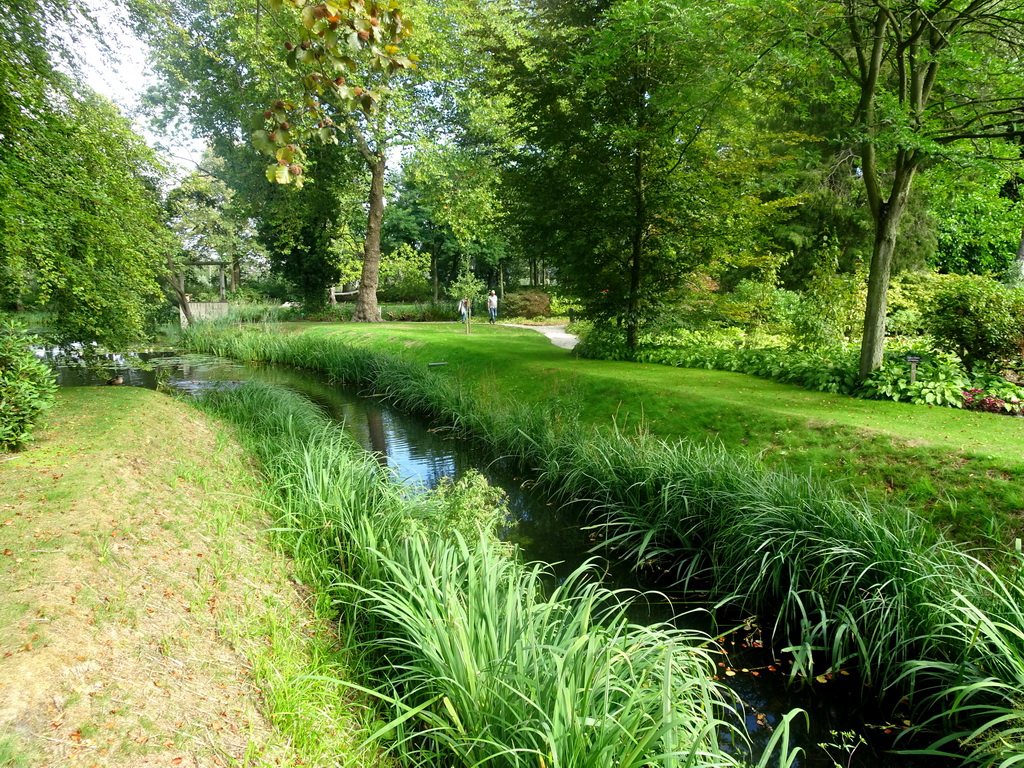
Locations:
(963, 469)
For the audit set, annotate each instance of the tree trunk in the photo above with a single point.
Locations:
(887, 222)
(367, 310)
(636, 259)
(1019, 261)
(433, 271)
(236, 271)
(178, 286)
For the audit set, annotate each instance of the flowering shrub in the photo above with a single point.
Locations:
(994, 394)
(978, 400)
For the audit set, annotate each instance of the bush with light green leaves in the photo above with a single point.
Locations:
(27, 387)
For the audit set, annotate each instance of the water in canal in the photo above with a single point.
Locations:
(547, 532)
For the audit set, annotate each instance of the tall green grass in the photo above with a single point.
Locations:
(849, 585)
(480, 665)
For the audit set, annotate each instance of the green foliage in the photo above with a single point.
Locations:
(831, 308)
(756, 306)
(336, 40)
(468, 507)
(940, 380)
(911, 295)
(403, 275)
(466, 286)
(853, 585)
(527, 304)
(601, 341)
(83, 232)
(212, 224)
(989, 386)
(325, 313)
(978, 319)
(828, 369)
(979, 226)
(853, 64)
(27, 386)
(562, 305)
(307, 236)
(631, 173)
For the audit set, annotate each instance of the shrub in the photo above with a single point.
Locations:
(330, 313)
(526, 304)
(423, 312)
(404, 275)
(994, 394)
(979, 400)
(830, 310)
(910, 296)
(758, 306)
(978, 319)
(600, 341)
(562, 306)
(27, 387)
(467, 505)
(940, 380)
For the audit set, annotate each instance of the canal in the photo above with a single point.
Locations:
(840, 712)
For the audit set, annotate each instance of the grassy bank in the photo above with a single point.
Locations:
(851, 584)
(147, 619)
(962, 470)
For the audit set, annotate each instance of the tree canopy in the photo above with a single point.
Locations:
(642, 155)
(83, 231)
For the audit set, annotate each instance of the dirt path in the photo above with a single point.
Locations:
(556, 333)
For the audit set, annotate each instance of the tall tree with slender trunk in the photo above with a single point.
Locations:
(634, 166)
(337, 42)
(913, 82)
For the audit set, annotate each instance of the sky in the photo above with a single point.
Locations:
(123, 78)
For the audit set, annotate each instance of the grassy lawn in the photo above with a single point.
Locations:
(147, 620)
(963, 469)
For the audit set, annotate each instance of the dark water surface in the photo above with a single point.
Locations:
(547, 532)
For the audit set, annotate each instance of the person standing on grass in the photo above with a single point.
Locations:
(492, 306)
(464, 309)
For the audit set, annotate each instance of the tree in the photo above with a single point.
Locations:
(635, 166)
(198, 46)
(914, 82)
(448, 206)
(332, 36)
(211, 227)
(978, 221)
(83, 231)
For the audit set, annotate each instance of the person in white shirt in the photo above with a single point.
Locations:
(492, 306)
